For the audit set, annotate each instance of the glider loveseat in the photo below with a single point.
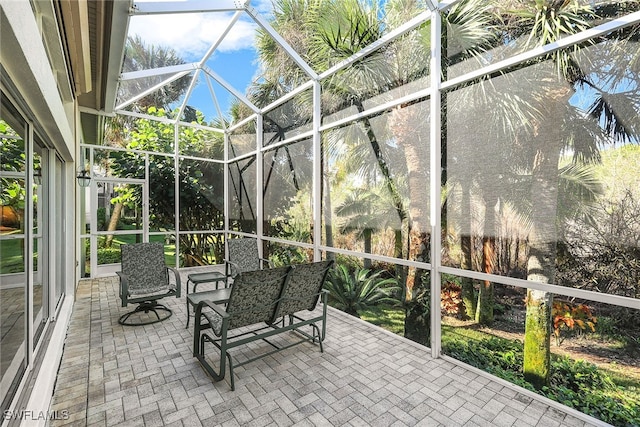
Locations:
(262, 304)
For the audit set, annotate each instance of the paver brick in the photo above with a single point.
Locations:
(116, 375)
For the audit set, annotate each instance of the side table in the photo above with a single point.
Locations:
(198, 278)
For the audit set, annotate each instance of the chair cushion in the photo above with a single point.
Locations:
(303, 287)
(252, 298)
(144, 265)
(243, 253)
(214, 319)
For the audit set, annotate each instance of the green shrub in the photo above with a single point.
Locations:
(287, 255)
(487, 354)
(109, 256)
(126, 221)
(355, 291)
(102, 219)
(351, 263)
(607, 327)
(578, 375)
(612, 407)
(575, 383)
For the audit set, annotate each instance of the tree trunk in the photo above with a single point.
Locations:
(138, 226)
(484, 311)
(418, 317)
(367, 246)
(468, 292)
(537, 352)
(417, 323)
(403, 124)
(113, 222)
(401, 276)
(327, 212)
(383, 166)
(542, 252)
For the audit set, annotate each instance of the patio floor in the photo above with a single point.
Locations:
(146, 376)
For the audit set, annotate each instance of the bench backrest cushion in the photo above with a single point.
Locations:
(303, 287)
(254, 295)
(144, 265)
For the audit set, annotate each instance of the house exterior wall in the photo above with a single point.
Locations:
(35, 76)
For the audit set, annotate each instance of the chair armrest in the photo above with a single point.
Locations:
(231, 268)
(177, 280)
(215, 307)
(124, 287)
(218, 329)
(198, 327)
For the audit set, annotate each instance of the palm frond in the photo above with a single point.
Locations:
(359, 290)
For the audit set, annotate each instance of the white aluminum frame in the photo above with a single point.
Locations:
(316, 183)
(193, 6)
(386, 39)
(152, 89)
(433, 94)
(259, 182)
(281, 42)
(160, 71)
(435, 171)
(284, 98)
(296, 138)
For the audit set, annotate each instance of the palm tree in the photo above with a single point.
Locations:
(365, 211)
(546, 21)
(359, 290)
(553, 81)
(537, 119)
(324, 33)
(140, 56)
(329, 31)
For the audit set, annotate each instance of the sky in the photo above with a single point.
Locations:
(191, 35)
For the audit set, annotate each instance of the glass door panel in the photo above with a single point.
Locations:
(13, 277)
(119, 220)
(40, 253)
(58, 232)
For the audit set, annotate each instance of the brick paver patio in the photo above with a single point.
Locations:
(146, 376)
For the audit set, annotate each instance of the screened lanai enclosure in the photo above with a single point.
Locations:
(473, 167)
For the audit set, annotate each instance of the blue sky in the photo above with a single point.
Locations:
(191, 35)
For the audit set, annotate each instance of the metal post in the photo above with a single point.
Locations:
(435, 171)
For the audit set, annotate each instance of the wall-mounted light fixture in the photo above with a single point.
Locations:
(37, 176)
(84, 178)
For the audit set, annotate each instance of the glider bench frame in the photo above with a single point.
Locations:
(262, 304)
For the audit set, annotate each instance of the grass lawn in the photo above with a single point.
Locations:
(11, 256)
(111, 256)
(389, 318)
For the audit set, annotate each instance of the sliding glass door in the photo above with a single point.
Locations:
(31, 266)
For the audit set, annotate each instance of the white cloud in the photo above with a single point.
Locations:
(192, 34)
(265, 7)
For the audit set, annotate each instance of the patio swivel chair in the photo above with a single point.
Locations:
(243, 256)
(144, 280)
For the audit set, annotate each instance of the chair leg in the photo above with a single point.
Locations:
(187, 299)
(146, 307)
(188, 314)
(216, 376)
(225, 357)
